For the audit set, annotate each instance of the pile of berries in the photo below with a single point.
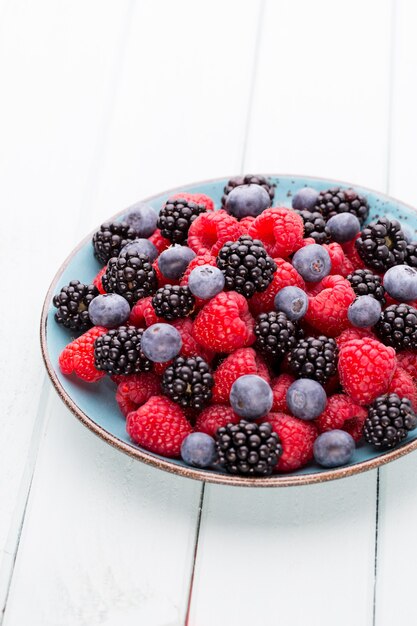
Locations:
(254, 338)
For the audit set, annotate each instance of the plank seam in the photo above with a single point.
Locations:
(196, 543)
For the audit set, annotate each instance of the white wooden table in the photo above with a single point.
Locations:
(103, 103)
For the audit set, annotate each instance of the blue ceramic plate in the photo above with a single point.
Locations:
(95, 405)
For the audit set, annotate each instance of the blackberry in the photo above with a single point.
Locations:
(275, 334)
(411, 254)
(72, 305)
(337, 200)
(256, 179)
(315, 226)
(119, 351)
(381, 244)
(172, 302)
(314, 357)
(389, 420)
(246, 266)
(366, 283)
(130, 275)
(110, 238)
(397, 327)
(248, 449)
(176, 217)
(188, 381)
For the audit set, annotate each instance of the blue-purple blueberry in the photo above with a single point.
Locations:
(343, 227)
(206, 281)
(400, 282)
(198, 450)
(333, 448)
(312, 262)
(364, 312)
(141, 246)
(305, 199)
(293, 301)
(142, 218)
(306, 398)
(108, 310)
(161, 342)
(251, 397)
(247, 200)
(174, 261)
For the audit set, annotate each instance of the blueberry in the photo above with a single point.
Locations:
(174, 261)
(408, 233)
(142, 218)
(251, 397)
(206, 281)
(312, 262)
(142, 246)
(364, 312)
(161, 343)
(306, 398)
(293, 301)
(198, 450)
(400, 282)
(247, 200)
(109, 310)
(343, 227)
(305, 199)
(334, 448)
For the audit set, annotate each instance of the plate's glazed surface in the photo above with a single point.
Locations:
(95, 405)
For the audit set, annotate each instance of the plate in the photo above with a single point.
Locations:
(95, 405)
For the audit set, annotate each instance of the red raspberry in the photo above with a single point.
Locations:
(198, 198)
(78, 356)
(341, 265)
(408, 361)
(366, 368)
(389, 301)
(190, 347)
(98, 280)
(353, 333)
(224, 324)
(306, 242)
(280, 230)
(214, 417)
(353, 255)
(327, 311)
(143, 314)
(160, 242)
(280, 387)
(297, 438)
(403, 385)
(198, 261)
(210, 231)
(135, 390)
(342, 413)
(159, 425)
(162, 280)
(285, 275)
(246, 223)
(239, 363)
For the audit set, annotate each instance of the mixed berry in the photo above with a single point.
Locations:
(254, 338)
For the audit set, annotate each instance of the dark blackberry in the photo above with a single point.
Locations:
(110, 238)
(389, 420)
(256, 179)
(130, 275)
(366, 283)
(172, 302)
(314, 357)
(119, 351)
(337, 200)
(275, 334)
(188, 381)
(246, 266)
(176, 217)
(72, 303)
(381, 244)
(248, 449)
(315, 226)
(397, 327)
(411, 254)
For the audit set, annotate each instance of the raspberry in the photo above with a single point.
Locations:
(239, 363)
(159, 242)
(210, 231)
(143, 314)
(190, 347)
(408, 361)
(353, 333)
(403, 385)
(280, 230)
(352, 254)
(159, 425)
(201, 259)
(197, 198)
(340, 263)
(366, 368)
(246, 223)
(98, 280)
(284, 276)
(214, 417)
(78, 356)
(342, 413)
(224, 324)
(135, 390)
(297, 438)
(280, 387)
(161, 279)
(327, 311)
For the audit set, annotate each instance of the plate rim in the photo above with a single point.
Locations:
(276, 480)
